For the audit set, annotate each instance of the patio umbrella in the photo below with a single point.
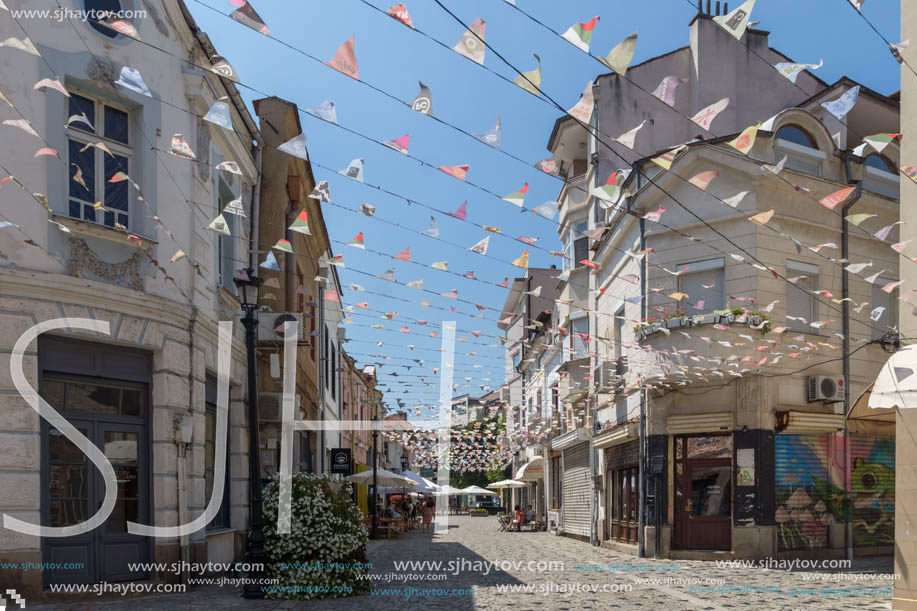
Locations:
(896, 384)
(383, 478)
(423, 484)
(477, 490)
(507, 483)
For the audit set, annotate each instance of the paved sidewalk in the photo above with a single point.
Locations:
(472, 540)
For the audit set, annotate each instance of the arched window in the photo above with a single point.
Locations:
(796, 135)
(880, 163)
(96, 10)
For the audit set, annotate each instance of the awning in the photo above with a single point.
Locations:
(809, 422)
(861, 410)
(617, 435)
(531, 471)
(896, 384)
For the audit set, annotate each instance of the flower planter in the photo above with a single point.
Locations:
(754, 321)
(727, 319)
(673, 323)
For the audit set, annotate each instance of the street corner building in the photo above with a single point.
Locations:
(146, 242)
(697, 398)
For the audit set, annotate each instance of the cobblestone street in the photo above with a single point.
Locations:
(471, 540)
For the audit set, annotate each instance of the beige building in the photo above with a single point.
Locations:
(144, 389)
(713, 389)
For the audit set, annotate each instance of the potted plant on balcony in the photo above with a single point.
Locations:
(675, 319)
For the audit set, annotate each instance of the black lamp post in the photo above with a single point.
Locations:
(375, 511)
(248, 286)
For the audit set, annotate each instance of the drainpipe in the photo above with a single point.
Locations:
(256, 209)
(321, 379)
(845, 293)
(641, 472)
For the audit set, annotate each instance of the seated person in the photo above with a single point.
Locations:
(390, 513)
(518, 519)
(529, 514)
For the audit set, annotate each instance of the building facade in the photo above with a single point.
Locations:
(134, 257)
(712, 314)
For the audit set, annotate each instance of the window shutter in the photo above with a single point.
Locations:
(801, 302)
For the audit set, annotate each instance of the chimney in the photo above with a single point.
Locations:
(700, 6)
(725, 8)
(708, 7)
(717, 7)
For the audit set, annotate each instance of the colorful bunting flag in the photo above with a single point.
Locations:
(235, 207)
(579, 34)
(399, 144)
(404, 255)
(481, 247)
(423, 103)
(131, 79)
(357, 241)
(456, 171)
(494, 137)
(517, 198)
(325, 111)
(301, 223)
(22, 45)
(547, 210)
(583, 109)
(735, 200)
(433, 231)
(610, 191)
(618, 59)
(321, 192)
(344, 60)
(736, 21)
(270, 262)
(180, 148)
(830, 201)
(880, 141)
(665, 160)
(440, 265)
(523, 260)
(332, 295)
(55, 84)
(400, 12)
(354, 170)
(229, 166)
(549, 166)
(792, 70)
(246, 15)
(220, 65)
(284, 245)
(628, 138)
(367, 209)
(219, 115)
(703, 180)
(844, 104)
(665, 91)
(744, 141)
(856, 219)
(219, 225)
(762, 217)
(461, 213)
(295, 147)
(706, 116)
(471, 44)
(531, 80)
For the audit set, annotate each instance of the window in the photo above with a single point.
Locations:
(885, 319)
(801, 304)
(619, 332)
(221, 519)
(800, 150)
(96, 10)
(91, 196)
(880, 176)
(517, 357)
(579, 333)
(796, 135)
(576, 246)
(226, 244)
(704, 282)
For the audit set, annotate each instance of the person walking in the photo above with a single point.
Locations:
(429, 513)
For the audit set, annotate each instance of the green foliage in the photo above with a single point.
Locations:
(477, 511)
(327, 528)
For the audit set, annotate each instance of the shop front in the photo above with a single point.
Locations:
(532, 473)
(576, 484)
(619, 512)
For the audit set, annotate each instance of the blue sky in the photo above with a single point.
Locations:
(394, 58)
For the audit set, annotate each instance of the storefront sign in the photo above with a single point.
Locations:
(341, 461)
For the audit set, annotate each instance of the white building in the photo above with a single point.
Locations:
(142, 389)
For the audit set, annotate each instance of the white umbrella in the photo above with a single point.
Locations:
(507, 483)
(383, 478)
(896, 385)
(477, 490)
(423, 484)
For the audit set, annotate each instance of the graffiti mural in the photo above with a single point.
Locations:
(810, 490)
(872, 491)
(810, 495)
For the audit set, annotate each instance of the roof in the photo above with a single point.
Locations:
(890, 101)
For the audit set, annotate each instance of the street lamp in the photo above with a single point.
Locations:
(375, 507)
(248, 286)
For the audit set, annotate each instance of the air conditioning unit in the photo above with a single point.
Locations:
(270, 407)
(824, 388)
(271, 326)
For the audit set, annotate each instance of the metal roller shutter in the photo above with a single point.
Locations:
(577, 491)
(872, 489)
(802, 491)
